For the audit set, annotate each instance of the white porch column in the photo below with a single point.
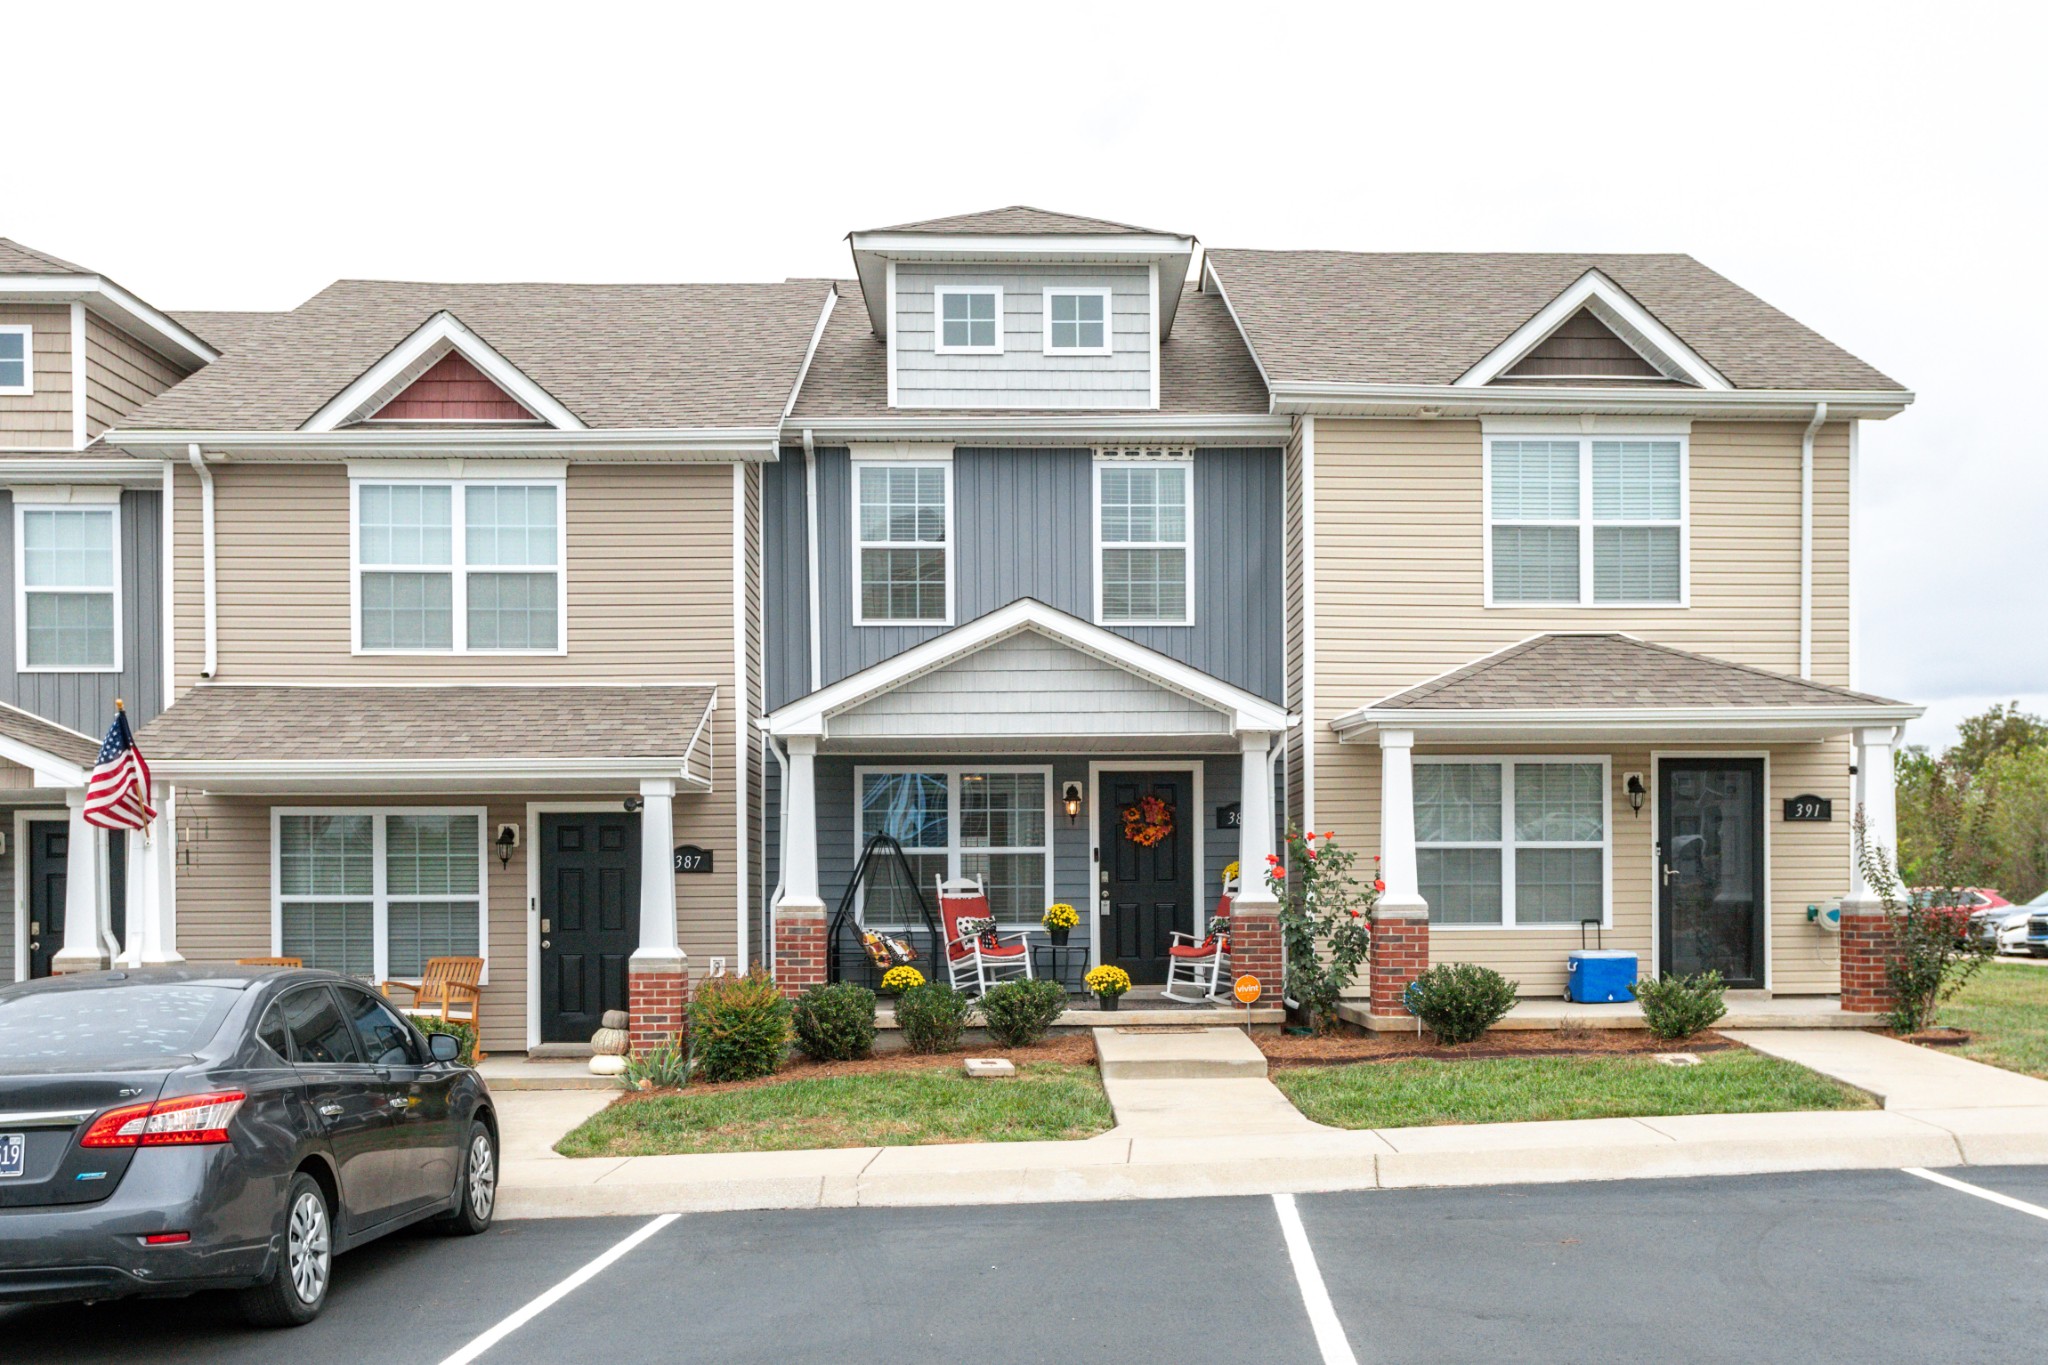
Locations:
(658, 943)
(1397, 824)
(800, 858)
(1255, 824)
(82, 950)
(152, 939)
(1876, 796)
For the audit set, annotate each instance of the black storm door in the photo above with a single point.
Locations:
(589, 919)
(1150, 890)
(1710, 867)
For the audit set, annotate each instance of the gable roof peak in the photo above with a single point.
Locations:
(17, 259)
(1023, 220)
(428, 345)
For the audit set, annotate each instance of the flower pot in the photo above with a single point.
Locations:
(1058, 937)
(1107, 1002)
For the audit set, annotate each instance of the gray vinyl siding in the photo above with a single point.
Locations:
(13, 907)
(1023, 376)
(1024, 527)
(85, 701)
(786, 586)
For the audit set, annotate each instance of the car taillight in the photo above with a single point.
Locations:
(187, 1122)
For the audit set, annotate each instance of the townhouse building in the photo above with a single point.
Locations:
(597, 630)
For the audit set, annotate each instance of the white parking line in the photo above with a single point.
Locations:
(2006, 1200)
(507, 1326)
(1322, 1314)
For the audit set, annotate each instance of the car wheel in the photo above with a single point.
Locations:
(476, 1194)
(297, 1288)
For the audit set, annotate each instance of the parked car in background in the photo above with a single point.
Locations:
(179, 1129)
(2027, 933)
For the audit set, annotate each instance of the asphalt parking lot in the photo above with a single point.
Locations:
(1865, 1266)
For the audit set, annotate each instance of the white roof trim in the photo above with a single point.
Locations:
(810, 352)
(1209, 276)
(1632, 322)
(433, 339)
(1344, 398)
(811, 715)
(50, 770)
(613, 445)
(1612, 723)
(509, 773)
(101, 295)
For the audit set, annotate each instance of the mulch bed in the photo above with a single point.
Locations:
(1075, 1050)
(1931, 1037)
(1339, 1048)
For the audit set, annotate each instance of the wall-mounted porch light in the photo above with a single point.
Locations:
(1070, 797)
(1632, 783)
(507, 840)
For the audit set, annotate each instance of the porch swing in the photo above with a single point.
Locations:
(874, 952)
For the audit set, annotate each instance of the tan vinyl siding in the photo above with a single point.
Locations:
(121, 375)
(1400, 558)
(42, 419)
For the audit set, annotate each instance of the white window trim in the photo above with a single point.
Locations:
(1187, 544)
(27, 386)
(458, 567)
(1108, 346)
(954, 850)
(939, 295)
(380, 898)
(945, 546)
(1507, 844)
(22, 506)
(1585, 518)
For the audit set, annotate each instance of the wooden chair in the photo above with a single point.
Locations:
(447, 990)
(1204, 966)
(268, 962)
(976, 961)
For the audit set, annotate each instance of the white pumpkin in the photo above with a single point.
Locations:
(607, 1064)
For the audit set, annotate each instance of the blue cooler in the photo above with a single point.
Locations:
(1598, 976)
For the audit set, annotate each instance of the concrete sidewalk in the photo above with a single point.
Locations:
(1901, 1075)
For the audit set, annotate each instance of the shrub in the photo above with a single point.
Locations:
(454, 1028)
(661, 1068)
(901, 978)
(1108, 979)
(1458, 1001)
(933, 1017)
(739, 1028)
(835, 1023)
(1324, 930)
(1680, 1006)
(1018, 1013)
(1931, 952)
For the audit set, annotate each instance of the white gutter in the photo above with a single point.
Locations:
(212, 664)
(168, 631)
(811, 554)
(721, 443)
(1820, 415)
(690, 749)
(1076, 428)
(423, 771)
(1444, 400)
(127, 470)
(1626, 722)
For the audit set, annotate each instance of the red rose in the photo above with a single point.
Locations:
(1378, 885)
(1354, 914)
(1280, 872)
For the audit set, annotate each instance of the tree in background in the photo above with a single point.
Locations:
(2003, 731)
(1990, 791)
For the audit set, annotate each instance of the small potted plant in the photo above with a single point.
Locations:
(1109, 984)
(897, 980)
(1059, 920)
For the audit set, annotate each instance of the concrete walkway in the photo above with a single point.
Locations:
(1901, 1075)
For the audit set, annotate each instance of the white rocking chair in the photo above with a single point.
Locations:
(1202, 966)
(978, 960)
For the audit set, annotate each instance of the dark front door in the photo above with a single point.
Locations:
(1710, 867)
(589, 919)
(1150, 890)
(49, 851)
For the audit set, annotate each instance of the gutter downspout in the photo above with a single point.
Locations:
(212, 664)
(1820, 415)
(811, 553)
(781, 845)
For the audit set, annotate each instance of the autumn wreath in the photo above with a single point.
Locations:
(1149, 821)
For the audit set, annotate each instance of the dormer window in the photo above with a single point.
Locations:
(969, 321)
(1077, 322)
(17, 373)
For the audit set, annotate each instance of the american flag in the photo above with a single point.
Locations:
(117, 795)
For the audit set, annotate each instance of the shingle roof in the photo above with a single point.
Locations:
(1203, 367)
(230, 722)
(47, 735)
(16, 259)
(1024, 221)
(223, 331)
(1427, 317)
(619, 356)
(1565, 672)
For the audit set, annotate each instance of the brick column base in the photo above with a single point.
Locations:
(657, 999)
(1255, 950)
(799, 948)
(1400, 953)
(1866, 942)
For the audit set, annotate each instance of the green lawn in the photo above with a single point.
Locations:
(1044, 1100)
(1514, 1089)
(2005, 1008)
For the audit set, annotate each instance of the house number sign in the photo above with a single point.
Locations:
(1809, 807)
(690, 858)
(1230, 815)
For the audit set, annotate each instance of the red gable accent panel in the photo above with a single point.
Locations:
(454, 390)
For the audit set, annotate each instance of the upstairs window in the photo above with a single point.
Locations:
(1586, 521)
(969, 321)
(903, 515)
(1077, 322)
(67, 603)
(17, 361)
(459, 567)
(1143, 510)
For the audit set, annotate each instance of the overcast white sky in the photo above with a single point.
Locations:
(1875, 170)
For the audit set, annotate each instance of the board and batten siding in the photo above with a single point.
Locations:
(121, 375)
(85, 701)
(1400, 545)
(40, 420)
(1023, 527)
(1023, 376)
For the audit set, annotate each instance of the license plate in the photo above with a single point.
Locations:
(13, 1154)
